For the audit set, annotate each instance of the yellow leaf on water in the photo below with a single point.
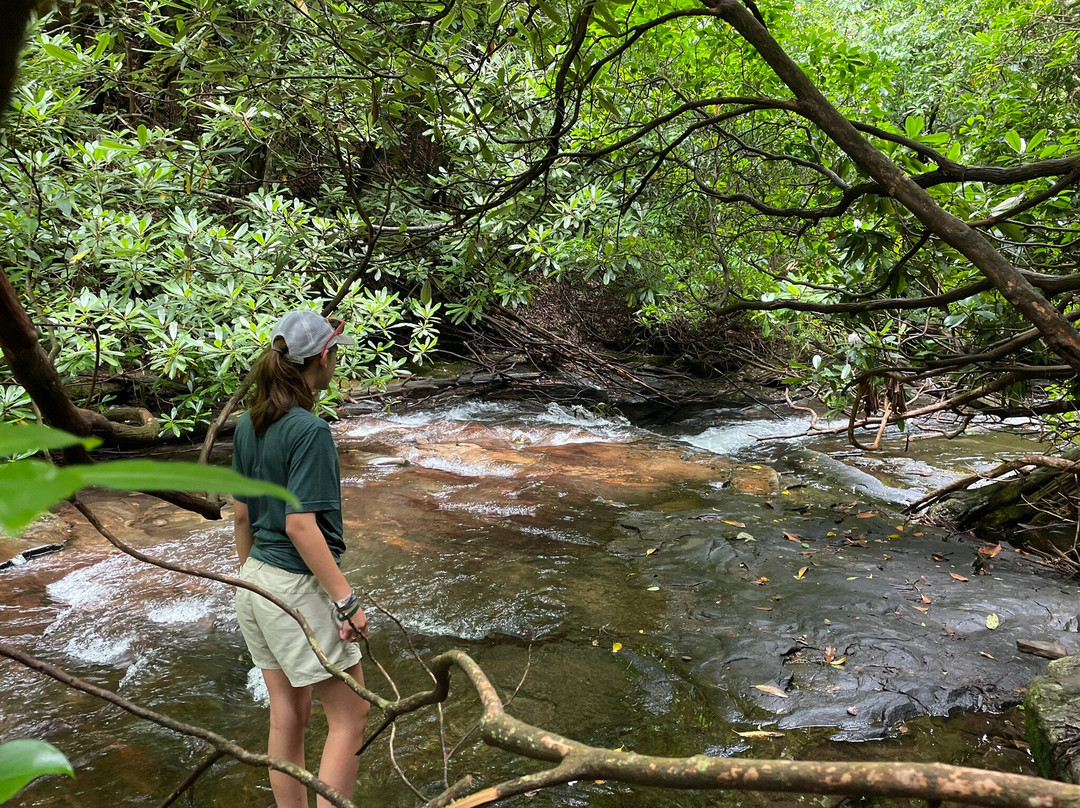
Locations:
(616, 646)
(802, 572)
(760, 733)
(733, 523)
(772, 689)
(650, 551)
(957, 577)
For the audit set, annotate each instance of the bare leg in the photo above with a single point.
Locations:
(346, 717)
(290, 708)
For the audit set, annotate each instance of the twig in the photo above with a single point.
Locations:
(196, 773)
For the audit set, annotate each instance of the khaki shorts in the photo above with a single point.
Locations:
(275, 640)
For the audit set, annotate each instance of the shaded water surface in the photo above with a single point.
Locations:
(539, 540)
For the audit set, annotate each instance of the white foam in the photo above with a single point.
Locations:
(256, 686)
(578, 424)
(190, 610)
(99, 650)
(489, 509)
(134, 671)
(736, 435)
(460, 467)
(94, 585)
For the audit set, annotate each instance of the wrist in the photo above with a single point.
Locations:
(347, 604)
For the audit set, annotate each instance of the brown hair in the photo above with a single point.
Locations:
(279, 386)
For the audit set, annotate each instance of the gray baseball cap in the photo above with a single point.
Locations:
(308, 334)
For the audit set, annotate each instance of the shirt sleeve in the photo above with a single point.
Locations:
(313, 471)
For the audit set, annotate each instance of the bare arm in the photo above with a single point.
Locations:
(242, 531)
(308, 539)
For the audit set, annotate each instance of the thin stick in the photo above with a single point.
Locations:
(196, 773)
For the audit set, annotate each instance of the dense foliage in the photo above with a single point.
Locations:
(178, 172)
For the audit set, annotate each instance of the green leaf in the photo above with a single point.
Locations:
(992, 621)
(551, 11)
(913, 126)
(425, 293)
(19, 439)
(24, 760)
(57, 52)
(1015, 141)
(28, 487)
(153, 475)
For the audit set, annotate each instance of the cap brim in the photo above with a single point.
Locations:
(343, 339)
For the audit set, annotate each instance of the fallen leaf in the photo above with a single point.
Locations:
(852, 710)
(616, 646)
(992, 621)
(763, 608)
(923, 609)
(760, 733)
(839, 663)
(865, 515)
(957, 577)
(917, 534)
(983, 653)
(650, 551)
(795, 537)
(773, 689)
(596, 642)
(990, 552)
(937, 557)
(762, 581)
(925, 599)
(775, 598)
(686, 658)
(802, 572)
(653, 588)
(733, 523)
(745, 536)
(830, 653)
(853, 577)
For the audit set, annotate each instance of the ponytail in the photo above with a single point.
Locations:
(279, 386)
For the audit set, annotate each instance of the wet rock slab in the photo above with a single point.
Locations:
(801, 614)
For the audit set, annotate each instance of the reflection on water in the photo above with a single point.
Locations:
(538, 538)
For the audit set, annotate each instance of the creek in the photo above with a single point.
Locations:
(649, 581)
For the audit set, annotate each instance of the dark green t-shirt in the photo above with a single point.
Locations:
(297, 452)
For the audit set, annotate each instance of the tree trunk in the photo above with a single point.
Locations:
(1058, 333)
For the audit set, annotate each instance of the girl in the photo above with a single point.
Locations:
(294, 553)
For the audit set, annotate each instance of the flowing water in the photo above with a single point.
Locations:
(645, 583)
